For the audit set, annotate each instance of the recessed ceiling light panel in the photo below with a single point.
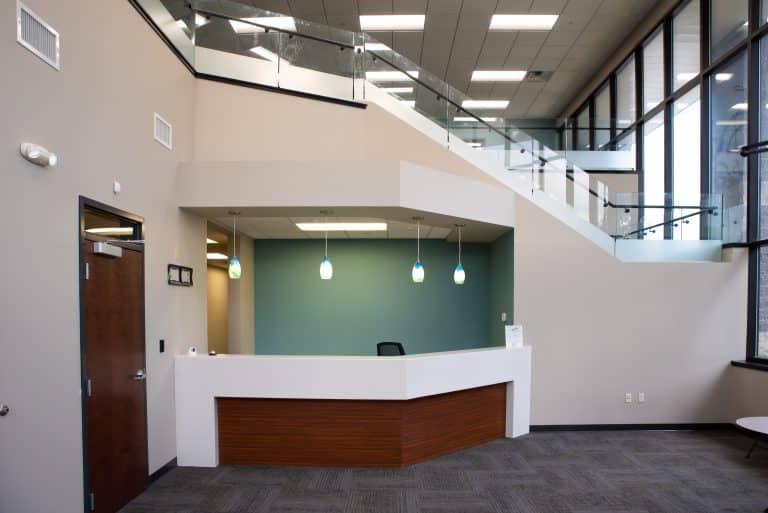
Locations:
(391, 22)
(278, 22)
(498, 75)
(523, 21)
(342, 227)
(485, 104)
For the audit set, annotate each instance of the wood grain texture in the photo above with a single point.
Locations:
(352, 433)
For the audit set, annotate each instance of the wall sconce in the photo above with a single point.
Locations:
(38, 155)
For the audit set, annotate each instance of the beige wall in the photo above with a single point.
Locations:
(218, 310)
(241, 302)
(600, 328)
(96, 113)
(240, 124)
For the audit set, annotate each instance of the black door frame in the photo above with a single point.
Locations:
(84, 204)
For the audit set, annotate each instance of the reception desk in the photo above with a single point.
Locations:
(347, 410)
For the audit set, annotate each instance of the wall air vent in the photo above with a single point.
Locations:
(37, 36)
(163, 132)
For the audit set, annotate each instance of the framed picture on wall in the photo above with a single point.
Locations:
(179, 275)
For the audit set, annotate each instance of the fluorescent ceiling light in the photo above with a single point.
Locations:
(731, 123)
(685, 77)
(394, 22)
(216, 256)
(264, 53)
(409, 103)
(342, 227)
(200, 20)
(485, 104)
(723, 77)
(740, 106)
(390, 76)
(523, 21)
(467, 119)
(111, 230)
(278, 22)
(498, 76)
(476, 144)
(397, 90)
(208, 240)
(377, 47)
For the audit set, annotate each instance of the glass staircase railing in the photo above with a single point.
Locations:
(240, 43)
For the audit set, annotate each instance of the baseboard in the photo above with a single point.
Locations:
(633, 427)
(157, 474)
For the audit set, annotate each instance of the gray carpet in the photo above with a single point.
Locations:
(560, 472)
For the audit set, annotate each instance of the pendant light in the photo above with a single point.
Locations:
(458, 274)
(326, 268)
(235, 271)
(417, 273)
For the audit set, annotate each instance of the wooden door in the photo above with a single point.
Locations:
(116, 420)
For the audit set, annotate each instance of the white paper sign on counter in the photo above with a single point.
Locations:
(514, 335)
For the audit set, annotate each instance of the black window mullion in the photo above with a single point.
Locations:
(753, 302)
(668, 131)
(613, 114)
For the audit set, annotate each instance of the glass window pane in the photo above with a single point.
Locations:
(762, 304)
(728, 26)
(763, 221)
(764, 12)
(686, 182)
(653, 71)
(582, 134)
(728, 128)
(653, 177)
(603, 117)
(625, 94)
(686, 34)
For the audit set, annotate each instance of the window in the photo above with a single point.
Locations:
(653, 71)
(763, 105)
(761, 349)
(686, 35)
(653, 177)
(603, 117)
(728, 128)
(728, 26)
(686, 184)
(582, 132)
(764, 12)
(625, 94)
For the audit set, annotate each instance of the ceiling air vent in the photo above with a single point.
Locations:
(163, 132)
(537, 76)
(36, 35)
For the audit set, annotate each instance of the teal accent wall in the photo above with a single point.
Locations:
(502, 270)
(371, 297)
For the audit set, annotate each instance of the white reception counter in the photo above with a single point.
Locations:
(200, 380)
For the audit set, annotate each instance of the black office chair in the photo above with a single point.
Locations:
(390, 349)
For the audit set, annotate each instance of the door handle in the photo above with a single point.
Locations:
(4, 410)
(139, 376)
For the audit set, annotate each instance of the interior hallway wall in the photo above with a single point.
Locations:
(218, 309)
(241, 300)
(97, 114)
(600, 328)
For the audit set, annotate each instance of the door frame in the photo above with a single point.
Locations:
(83, 204)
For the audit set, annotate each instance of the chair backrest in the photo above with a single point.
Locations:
(390, 349)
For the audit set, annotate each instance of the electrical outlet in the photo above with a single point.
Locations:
(628, 397)
(503, 316)
(641, 397)
(162, 345)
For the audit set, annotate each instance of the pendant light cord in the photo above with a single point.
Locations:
(459, 245)
(326, 244)
(418, 241)
(234, 236)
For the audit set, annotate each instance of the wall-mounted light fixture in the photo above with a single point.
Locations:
(234, 269)
(417, 272)
(458, 274)
(38, 155)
